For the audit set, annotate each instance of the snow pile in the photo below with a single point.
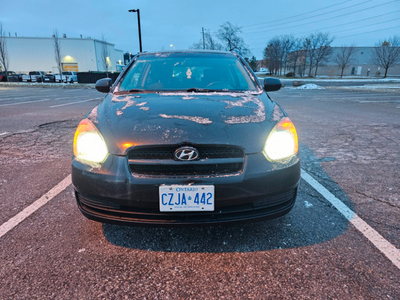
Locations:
(310, 86)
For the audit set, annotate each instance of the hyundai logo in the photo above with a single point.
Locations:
(186, 153)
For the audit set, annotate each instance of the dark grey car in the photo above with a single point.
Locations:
(186, 138)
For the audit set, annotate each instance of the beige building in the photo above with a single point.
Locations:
(78, 54)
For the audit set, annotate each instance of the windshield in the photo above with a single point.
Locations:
(187, 72)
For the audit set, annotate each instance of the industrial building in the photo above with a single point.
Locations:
(361, 65)
(77, 54)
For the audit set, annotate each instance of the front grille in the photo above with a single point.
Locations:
(167, 152)
(213, 160)
(187, 169)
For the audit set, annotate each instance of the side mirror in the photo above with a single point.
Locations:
(272, 84)
(103, 85)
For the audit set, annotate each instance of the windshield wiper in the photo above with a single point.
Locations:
(200, 90)
(130, 91)
(135, 91)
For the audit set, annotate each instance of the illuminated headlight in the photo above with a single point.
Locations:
(282, 141)
(89, 145)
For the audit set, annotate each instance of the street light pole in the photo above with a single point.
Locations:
(140, 35)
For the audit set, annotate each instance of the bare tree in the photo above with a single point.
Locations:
(277, 53)
(309, 54)
(210, 42)
(4, 63)
(57, 52)
(105, 57)
(294, 56)
(231, 39)
(273, 55)
(387, 54)
(287, 43)
(345, 57)
(317, 48)
(323, 49)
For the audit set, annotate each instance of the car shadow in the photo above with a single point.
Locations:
(313, 220)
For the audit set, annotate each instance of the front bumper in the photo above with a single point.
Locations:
(111, 193)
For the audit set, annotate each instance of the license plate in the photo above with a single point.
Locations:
(186, 198)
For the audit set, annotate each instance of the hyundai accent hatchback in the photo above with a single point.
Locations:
(186, 138)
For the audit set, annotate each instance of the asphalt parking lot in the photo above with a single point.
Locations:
(341, 240)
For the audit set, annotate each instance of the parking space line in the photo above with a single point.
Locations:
(63, 98)
(18, 218)
(26, 102)
(16, 98)
(390, 251)
(73, 90)
(70, 103)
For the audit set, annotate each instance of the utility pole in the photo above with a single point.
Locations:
(140, 35)
(204, 42)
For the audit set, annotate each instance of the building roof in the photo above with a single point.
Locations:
(61, 38)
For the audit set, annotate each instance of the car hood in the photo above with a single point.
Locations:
(239, 119)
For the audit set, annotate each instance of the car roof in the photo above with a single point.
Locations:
(188, 51)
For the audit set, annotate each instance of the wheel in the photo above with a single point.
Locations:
(39, 79)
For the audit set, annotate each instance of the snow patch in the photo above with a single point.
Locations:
(310, 86)
(257, 116)
(199, 120)
(93, 115)
(308, 204)
(277, 113)
(162, 54)
(128, 103)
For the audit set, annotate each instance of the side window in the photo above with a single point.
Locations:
(135, 77)
(240, 76)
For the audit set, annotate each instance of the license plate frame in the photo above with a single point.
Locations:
(186, 198)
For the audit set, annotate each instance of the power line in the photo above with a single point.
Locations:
(299, 15)
(392, 12)
(350, 30)
(326, 13)
(367, 32)
(365, 26)
(329, 27)
(330, 18)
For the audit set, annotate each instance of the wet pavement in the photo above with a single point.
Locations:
(349, 143)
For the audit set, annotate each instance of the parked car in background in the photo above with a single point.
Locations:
(20, 76)
(50, 77)
(34, 76)
(11, 76)
(67, 77)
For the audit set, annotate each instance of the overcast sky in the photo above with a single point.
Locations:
(179, 22)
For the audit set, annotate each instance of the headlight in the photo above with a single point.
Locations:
(89, 145)
(282, 141)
